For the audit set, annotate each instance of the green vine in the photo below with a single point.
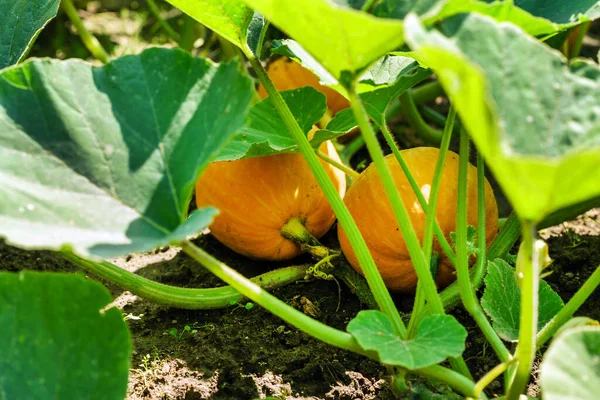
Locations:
(344, 217)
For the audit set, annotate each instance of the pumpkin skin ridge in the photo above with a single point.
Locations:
(379, 230)
(246, 233)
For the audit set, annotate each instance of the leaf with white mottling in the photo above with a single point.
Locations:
(104, 160)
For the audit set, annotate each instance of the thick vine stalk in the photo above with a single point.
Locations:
(344, 217)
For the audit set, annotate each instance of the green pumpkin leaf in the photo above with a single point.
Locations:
(438, 337)
(342, 39)
(255, 30)
(399, 9)
(386, 71)
(472, 247)
(375, 101)
(228, 18)
(20, 23)
(266, 133)
(536, 17)
(561, 11)
(292, 49)
(502, 300)
(535, 118)
(55, 341)
(104, 160)
(571, 366)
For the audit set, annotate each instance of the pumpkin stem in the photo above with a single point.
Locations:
(295, 231)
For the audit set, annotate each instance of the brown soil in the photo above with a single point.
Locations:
(241, 353)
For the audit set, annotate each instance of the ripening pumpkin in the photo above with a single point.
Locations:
(287, 74)
(257, 196)
(372, 211)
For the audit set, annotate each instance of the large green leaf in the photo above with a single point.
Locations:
(340, 38)
(20, 23)
(389, 70)
(105, 159)
(536, 17)
(375, 101)
(535, 118)
(399, 9)
(386, 71)
(571, 366)
(266, 133)
(57, 343)
(502, 300)
(561, 11)
(438, 337)
(229, 18)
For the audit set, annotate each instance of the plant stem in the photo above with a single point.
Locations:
(467, 292)
(410, 238)
(355, 282)
(438, 118)
(164, 24)
(255, 293)
(188, 33)
(261, 39)
(208, 43)
(368, 4)
(89, 40)
(505, 240)
(393, 109)
(295, 231)
(228, 49)
(380, 292)
(344, 168)
(509, 234)
(426, 92)
(418, 312)
(187, 298)
(480, 265)
(351, 148)
(455, 380)
(490, 376)
(417, 190)
(569, 309)
(529, 263)
(430, 220)
(425, 132)
(412, 242)
(576, 49)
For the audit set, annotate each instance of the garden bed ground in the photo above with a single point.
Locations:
(241, 353)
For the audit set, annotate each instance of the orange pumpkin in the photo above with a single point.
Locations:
(372, 211)
(257, 196)
(287, 74)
